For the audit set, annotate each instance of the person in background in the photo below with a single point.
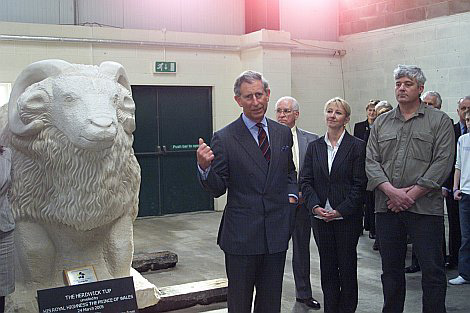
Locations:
(455, 241)
(461, 193)
(361, 131)
(7, 226)
(333, 183)
(432, 98)
(287, 113)
(383, 107)
(409, 155)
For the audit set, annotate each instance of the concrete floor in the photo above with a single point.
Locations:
(193, 237)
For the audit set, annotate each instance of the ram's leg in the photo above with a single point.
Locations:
(35, 256)
(119, 247)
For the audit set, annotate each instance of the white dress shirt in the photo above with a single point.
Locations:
(295, 150)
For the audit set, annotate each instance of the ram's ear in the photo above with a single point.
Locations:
(117, 72)
(34, 73)
(32, 101)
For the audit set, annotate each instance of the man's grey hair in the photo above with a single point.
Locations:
(463, 99)
(293, 101)
(382, 107)
(433, 94)
(249, 77)
(410, 71)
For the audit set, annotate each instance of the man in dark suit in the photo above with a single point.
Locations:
(287, 113)
(251, 158)
(452, 205)
(362, 131)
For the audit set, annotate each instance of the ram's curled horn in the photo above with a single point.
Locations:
(34, 73)
(116, 71)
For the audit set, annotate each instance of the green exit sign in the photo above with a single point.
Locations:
(165, 67)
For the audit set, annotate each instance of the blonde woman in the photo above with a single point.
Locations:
(333, 183)
(7, 224)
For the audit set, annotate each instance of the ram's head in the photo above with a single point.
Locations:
(84, 102)
(71, 135)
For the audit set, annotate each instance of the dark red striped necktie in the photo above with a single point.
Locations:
(263, 142)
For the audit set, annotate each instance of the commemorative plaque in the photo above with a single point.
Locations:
(106, 296)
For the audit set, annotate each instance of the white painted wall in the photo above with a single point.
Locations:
(315, 80)
(439, 46)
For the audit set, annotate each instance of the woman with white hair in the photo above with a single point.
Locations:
(7, 224)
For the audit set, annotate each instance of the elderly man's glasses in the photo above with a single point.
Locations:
(285, 111)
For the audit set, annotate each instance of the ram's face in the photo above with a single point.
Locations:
(85, 110)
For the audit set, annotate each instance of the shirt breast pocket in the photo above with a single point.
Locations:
(387, 144)
(421, 146)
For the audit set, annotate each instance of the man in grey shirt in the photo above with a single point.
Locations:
(409, 156)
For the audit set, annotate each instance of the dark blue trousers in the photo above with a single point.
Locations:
(464, 254)
(264, 272)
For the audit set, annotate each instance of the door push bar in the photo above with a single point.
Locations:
(162, 150)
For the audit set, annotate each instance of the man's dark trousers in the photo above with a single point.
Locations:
(454, 229)
(425, 232)
(264, 272)
(301, 253)
(464, 255)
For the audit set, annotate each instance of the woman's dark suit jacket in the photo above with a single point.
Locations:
(344, 187)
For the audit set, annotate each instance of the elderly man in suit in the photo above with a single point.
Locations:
(463, 105)
(251, 159)
(287, 113)
(432, 98)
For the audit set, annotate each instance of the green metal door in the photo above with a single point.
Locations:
(169, 122)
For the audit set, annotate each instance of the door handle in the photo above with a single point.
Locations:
(160, 151)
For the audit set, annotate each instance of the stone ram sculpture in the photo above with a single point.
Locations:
(76, 180)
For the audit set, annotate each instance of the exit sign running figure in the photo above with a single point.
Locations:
(165, 67)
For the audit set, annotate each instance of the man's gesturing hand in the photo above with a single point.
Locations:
(204, 155)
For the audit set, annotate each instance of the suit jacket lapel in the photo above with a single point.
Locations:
(302, 144)
(322, 155)
(343, 150)
(248, 143)
(458, 130)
